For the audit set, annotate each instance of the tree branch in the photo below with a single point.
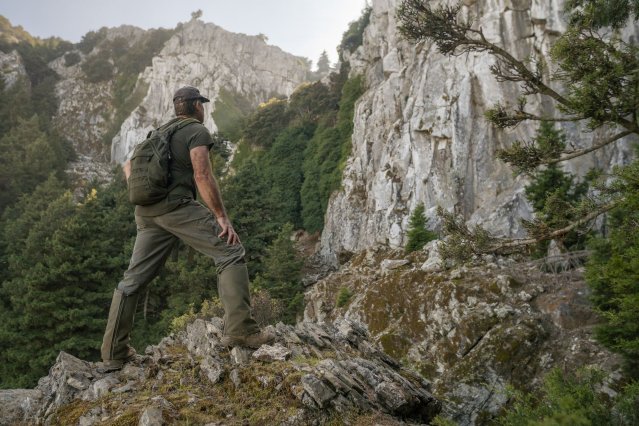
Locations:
(511, 244)
(579, 152)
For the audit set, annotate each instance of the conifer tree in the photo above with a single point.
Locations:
(418, 233)
(323, 64)
(282, 274)
(74, 255)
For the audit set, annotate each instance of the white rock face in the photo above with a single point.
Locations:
(420, 134)
(210, 58)
(11, 68)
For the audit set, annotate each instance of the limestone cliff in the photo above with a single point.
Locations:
(198, 53)
(420, 134)
(11, 68)
(212, 59)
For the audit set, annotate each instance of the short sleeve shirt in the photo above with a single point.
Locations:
(182, 142)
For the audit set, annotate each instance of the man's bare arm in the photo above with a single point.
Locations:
(126, 168)
(210, 192)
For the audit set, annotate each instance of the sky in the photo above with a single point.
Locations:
(300, 27)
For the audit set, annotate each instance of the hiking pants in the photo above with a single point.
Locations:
(195, 225)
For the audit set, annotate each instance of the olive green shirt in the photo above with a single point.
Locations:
(182, 142)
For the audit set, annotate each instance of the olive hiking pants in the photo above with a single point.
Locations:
(156, 235)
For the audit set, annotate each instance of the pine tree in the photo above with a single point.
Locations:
(75, 253)
(282, 274)
(323, 64)
(418, 233)
(554, 194)
(27, 157)
(613, 274)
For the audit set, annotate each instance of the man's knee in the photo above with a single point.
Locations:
(129, 286)
(232, 258)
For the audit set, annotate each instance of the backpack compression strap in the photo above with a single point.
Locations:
(172, 128)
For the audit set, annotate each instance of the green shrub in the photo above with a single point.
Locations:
(71, 59)
(343, 297)
(573, 399)
(91, 39)
(352, 37)
(98, 68)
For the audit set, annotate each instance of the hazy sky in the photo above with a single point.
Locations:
(301, 27)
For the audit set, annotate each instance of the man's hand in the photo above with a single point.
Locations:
(210, 193)
(227, 229)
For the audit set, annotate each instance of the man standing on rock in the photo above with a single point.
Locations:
(206, 229)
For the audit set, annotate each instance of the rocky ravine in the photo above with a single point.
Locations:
(311, 375)
(471, 331)
(420, 134)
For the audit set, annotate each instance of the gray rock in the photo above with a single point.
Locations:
(16, 404)
(122, 389)
(202, 338)
(77, 383)
(55, 388)
(91, 418)
(132, 372)
(317, 390)
(391, 397)
(151, 416)
(212, 369)
(434, 262)
(235, 378)
(103, 386)
(341, 382)
(390, 264)
(240, 355)
(268, 353)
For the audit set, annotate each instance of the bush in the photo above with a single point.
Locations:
(210, 308)
(343, 297)
(72, 58)
(352, 38)
(98, 68)
(573, 399)
(91, 39)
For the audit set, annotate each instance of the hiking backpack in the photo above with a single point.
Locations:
(150, 178)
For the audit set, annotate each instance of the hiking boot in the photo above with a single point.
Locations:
(253, 341)
(111, 365)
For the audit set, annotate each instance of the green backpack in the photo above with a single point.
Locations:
(150, 178)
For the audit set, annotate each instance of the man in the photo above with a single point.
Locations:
(207, 230)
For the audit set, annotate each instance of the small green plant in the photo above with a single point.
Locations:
(343, 297)
(210, 308)
(418, 233)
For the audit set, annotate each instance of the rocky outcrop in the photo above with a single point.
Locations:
(472, 331)
(420, 134)
(310, 375)
(207, 56)
(11, 68)
(199, 53)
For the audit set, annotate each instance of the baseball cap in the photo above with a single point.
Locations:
(187, 93)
